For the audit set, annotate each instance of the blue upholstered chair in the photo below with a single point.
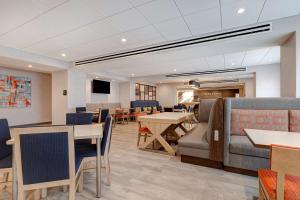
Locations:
(90, 150)
(80, 109)
(100, 118)
(5, 151)
(45, 158)
(80, 119)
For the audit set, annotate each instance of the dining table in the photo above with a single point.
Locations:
(265, 138)
(90, 131)
(166, 122)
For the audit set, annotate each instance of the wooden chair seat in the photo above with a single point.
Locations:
(144, 130)
(268, 180)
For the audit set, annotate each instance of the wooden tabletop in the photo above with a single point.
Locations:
(91, 131)
(264, 138)
(166, 117)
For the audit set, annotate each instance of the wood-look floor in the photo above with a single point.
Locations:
(141, 175)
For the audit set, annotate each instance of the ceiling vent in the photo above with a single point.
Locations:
(181, 43)
(219, 71)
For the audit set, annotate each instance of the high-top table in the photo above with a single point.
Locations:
(162, 122)
(91, 131)
(264, 138)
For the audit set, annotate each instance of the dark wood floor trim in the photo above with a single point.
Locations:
(201, 161)
(241, 171)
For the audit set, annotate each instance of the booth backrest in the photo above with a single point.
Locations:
(141, 103)
(268, 105)
(205, 108)
(95, 106)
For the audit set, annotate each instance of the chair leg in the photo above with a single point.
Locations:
(138, 140)
(107, 170)
(72, 191)
(261, 193)
(80, 183)
(21, 194)
(44, 193)
(145, 137)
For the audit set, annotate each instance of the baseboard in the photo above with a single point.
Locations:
(241, 171)
(201, 161)
(32, 125)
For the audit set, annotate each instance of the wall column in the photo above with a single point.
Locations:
(290, 66)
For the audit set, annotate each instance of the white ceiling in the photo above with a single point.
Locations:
(85, 28)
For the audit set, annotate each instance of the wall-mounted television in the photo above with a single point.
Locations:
(102, 87)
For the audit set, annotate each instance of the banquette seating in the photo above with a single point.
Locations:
(145, 106)
(204, 144)
(240, 155)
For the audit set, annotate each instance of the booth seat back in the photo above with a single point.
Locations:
(204, 109)
(141, 103)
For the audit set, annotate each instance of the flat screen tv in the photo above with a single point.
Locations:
(102, 87)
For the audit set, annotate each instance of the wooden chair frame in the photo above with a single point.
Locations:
(71, 182)
(105, 156)
(284, 160)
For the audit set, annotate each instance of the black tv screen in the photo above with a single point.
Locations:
(102, 87)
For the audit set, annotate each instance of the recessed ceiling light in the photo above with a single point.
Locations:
(174, 70)
(63, 55)
(97, 77)
(132, 75)
(270, 59)
(30, 66)
(124, 40)
(232, 63)
(241, 10)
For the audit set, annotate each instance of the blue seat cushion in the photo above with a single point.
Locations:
(6, 162)
(87, 150)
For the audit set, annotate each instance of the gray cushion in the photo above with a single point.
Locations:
(204, 109)
(196, 138)
(241, 145)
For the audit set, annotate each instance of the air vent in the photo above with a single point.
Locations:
(220, 81)
(181, 43)
(220, 71)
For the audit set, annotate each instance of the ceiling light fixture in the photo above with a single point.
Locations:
(124, 40)
(270, 59)
(232, 63)
(132, 75)
(97, 77)
(63, 55)
(241, 10)
(174, 70)
(30, 66)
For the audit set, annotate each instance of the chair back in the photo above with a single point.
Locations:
(107, 132)
(5, 150)
(79, 118)
(285, 160)
(80, 109)
(44, 154)
(104, 113)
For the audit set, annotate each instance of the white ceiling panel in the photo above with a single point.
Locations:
(216, 62)
(204, 21)
(173, 29)
(18, 12)
(234, 59)
(191, 6)
(139, 2)
(254, 57)
(160, 10)
(128, 20)
(230, 16)
(275, 9)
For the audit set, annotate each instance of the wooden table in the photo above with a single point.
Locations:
(162, 122)
(93, 131)
(264, 138)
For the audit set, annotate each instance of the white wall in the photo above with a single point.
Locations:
(166, 94)
(249, 87)
(40, 110)
(267, 80)
(59, 101)
(113, 97)
(76, 89)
